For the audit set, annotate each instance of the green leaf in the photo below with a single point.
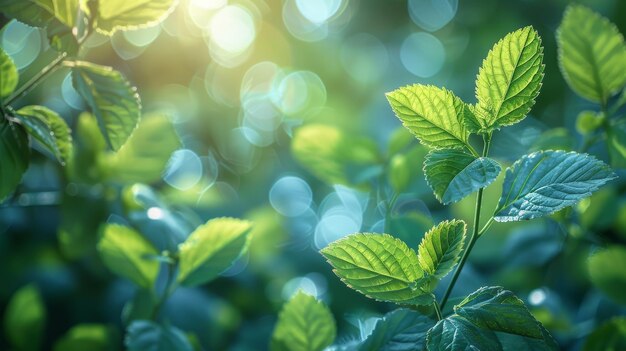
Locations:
(592, 54)
(454, 174)
(509, 80)
(126, 252)
(112, 100)
(399, 330)
(145, 335)
(379, 266)
(92, 337)
(458, 334)
(607, 273)
(304, 324)
(25, 319)
(14, 155)
(9, 75)
(61, 37)
(39, 13)
(611, 336)
(211, 249)
(114, 15)
(588, 121)
(89, 151)
(441, 248)
(47, 127)
(146, 153)
(434, 115)
(544, 182)
(616, 144)
(554, 139)
(332, 155)
(399, 173)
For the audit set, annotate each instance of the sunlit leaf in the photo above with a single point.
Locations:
(9, 75)
(605, 270)
(457, 333)
(304, 324)
(47, 127)
(508, 80)
(25, 319)
(126, 253)
(609, 336)
(441, 248)
(399, 330)
(592, 54)
(454, 174)
(146, 153)
(434, 115)
(112, 99)
(378, 266)
(92, 337)
(544, 182)
(14, 155)
(144, 335)
(113, 15)
(211, 249)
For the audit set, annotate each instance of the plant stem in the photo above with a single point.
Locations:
(33, 82)
(476, 232)
(437, 310)
(170, 286)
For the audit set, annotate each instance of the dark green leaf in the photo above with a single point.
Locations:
(145, 335)
(607, 273)
(47, 127)
(14, 155)
(92, 337)
(399, 330)
(611, 336)
(456, 333)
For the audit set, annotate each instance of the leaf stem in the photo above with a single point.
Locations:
(34, 81)
(476, 232)
(437, 310)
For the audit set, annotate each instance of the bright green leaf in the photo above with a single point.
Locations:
(441, 248)
(611, 336)
(25, 319)
(145, 335)
(112, 99)
(92, 337)
(544, 182)
(434, 115)
(607, 273)
(592, 54)
(399, 330)
(146, 153)
(14, 155)
(9, 75)
(304, 324)
(458, 334)
(399, 173)
(211, 249)
(47, 127)
(126, 252)
(379, 266)
(508, 80)
(454, 174)
(116, 15)
(588, 121)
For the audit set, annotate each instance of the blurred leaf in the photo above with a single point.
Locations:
(266, 237)
(509, 80)
(399, 330)
(92, 337)
(588, 121)
(531, 245)
(126, 252)
(49, 129)
(112, 99)
(598, 211)
(304, 324)
(14, 156)
(379, 266)
(399, 173)
(211, 249)
(617, 145)
(434, 115)
(116, 15)
(607, 273)
(81, 217)
(145, 335)
(610, 336)
(144, 156)
(9, 74)
(542, 183)
(25, 319)
(141, 306)
(592, 54)
(457, 333)
(61, 37)
(454, 174)
(89, 148)
(399, 140)
(554, 139)
(441, 248)
(332, 155)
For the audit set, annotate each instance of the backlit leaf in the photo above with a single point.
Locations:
(143, 335)
(607, 273)
(441, 248)
(113, 15)
(25, 319)
(8, 74)
(47, 127)
(399, 330)
(14, 155)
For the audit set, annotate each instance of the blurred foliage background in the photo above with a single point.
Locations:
(238, 79)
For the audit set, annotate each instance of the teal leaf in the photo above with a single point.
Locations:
(9, 75)
(114, 15)
(441, 248)
(14, 155)
(544, 182)
(509, 80)
(25, 319)
(143, 335)
(111, 98)
(304, 324)
(379, 266)
(607, 273)
(592, 54)
(47, 127)
(434, 115)
(211, 249)
(458, 334)
(454, 174)
(399, 330)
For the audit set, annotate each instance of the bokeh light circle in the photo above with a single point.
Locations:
(422, 54)
(432, 15)
(291, 196)
(184, 170)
